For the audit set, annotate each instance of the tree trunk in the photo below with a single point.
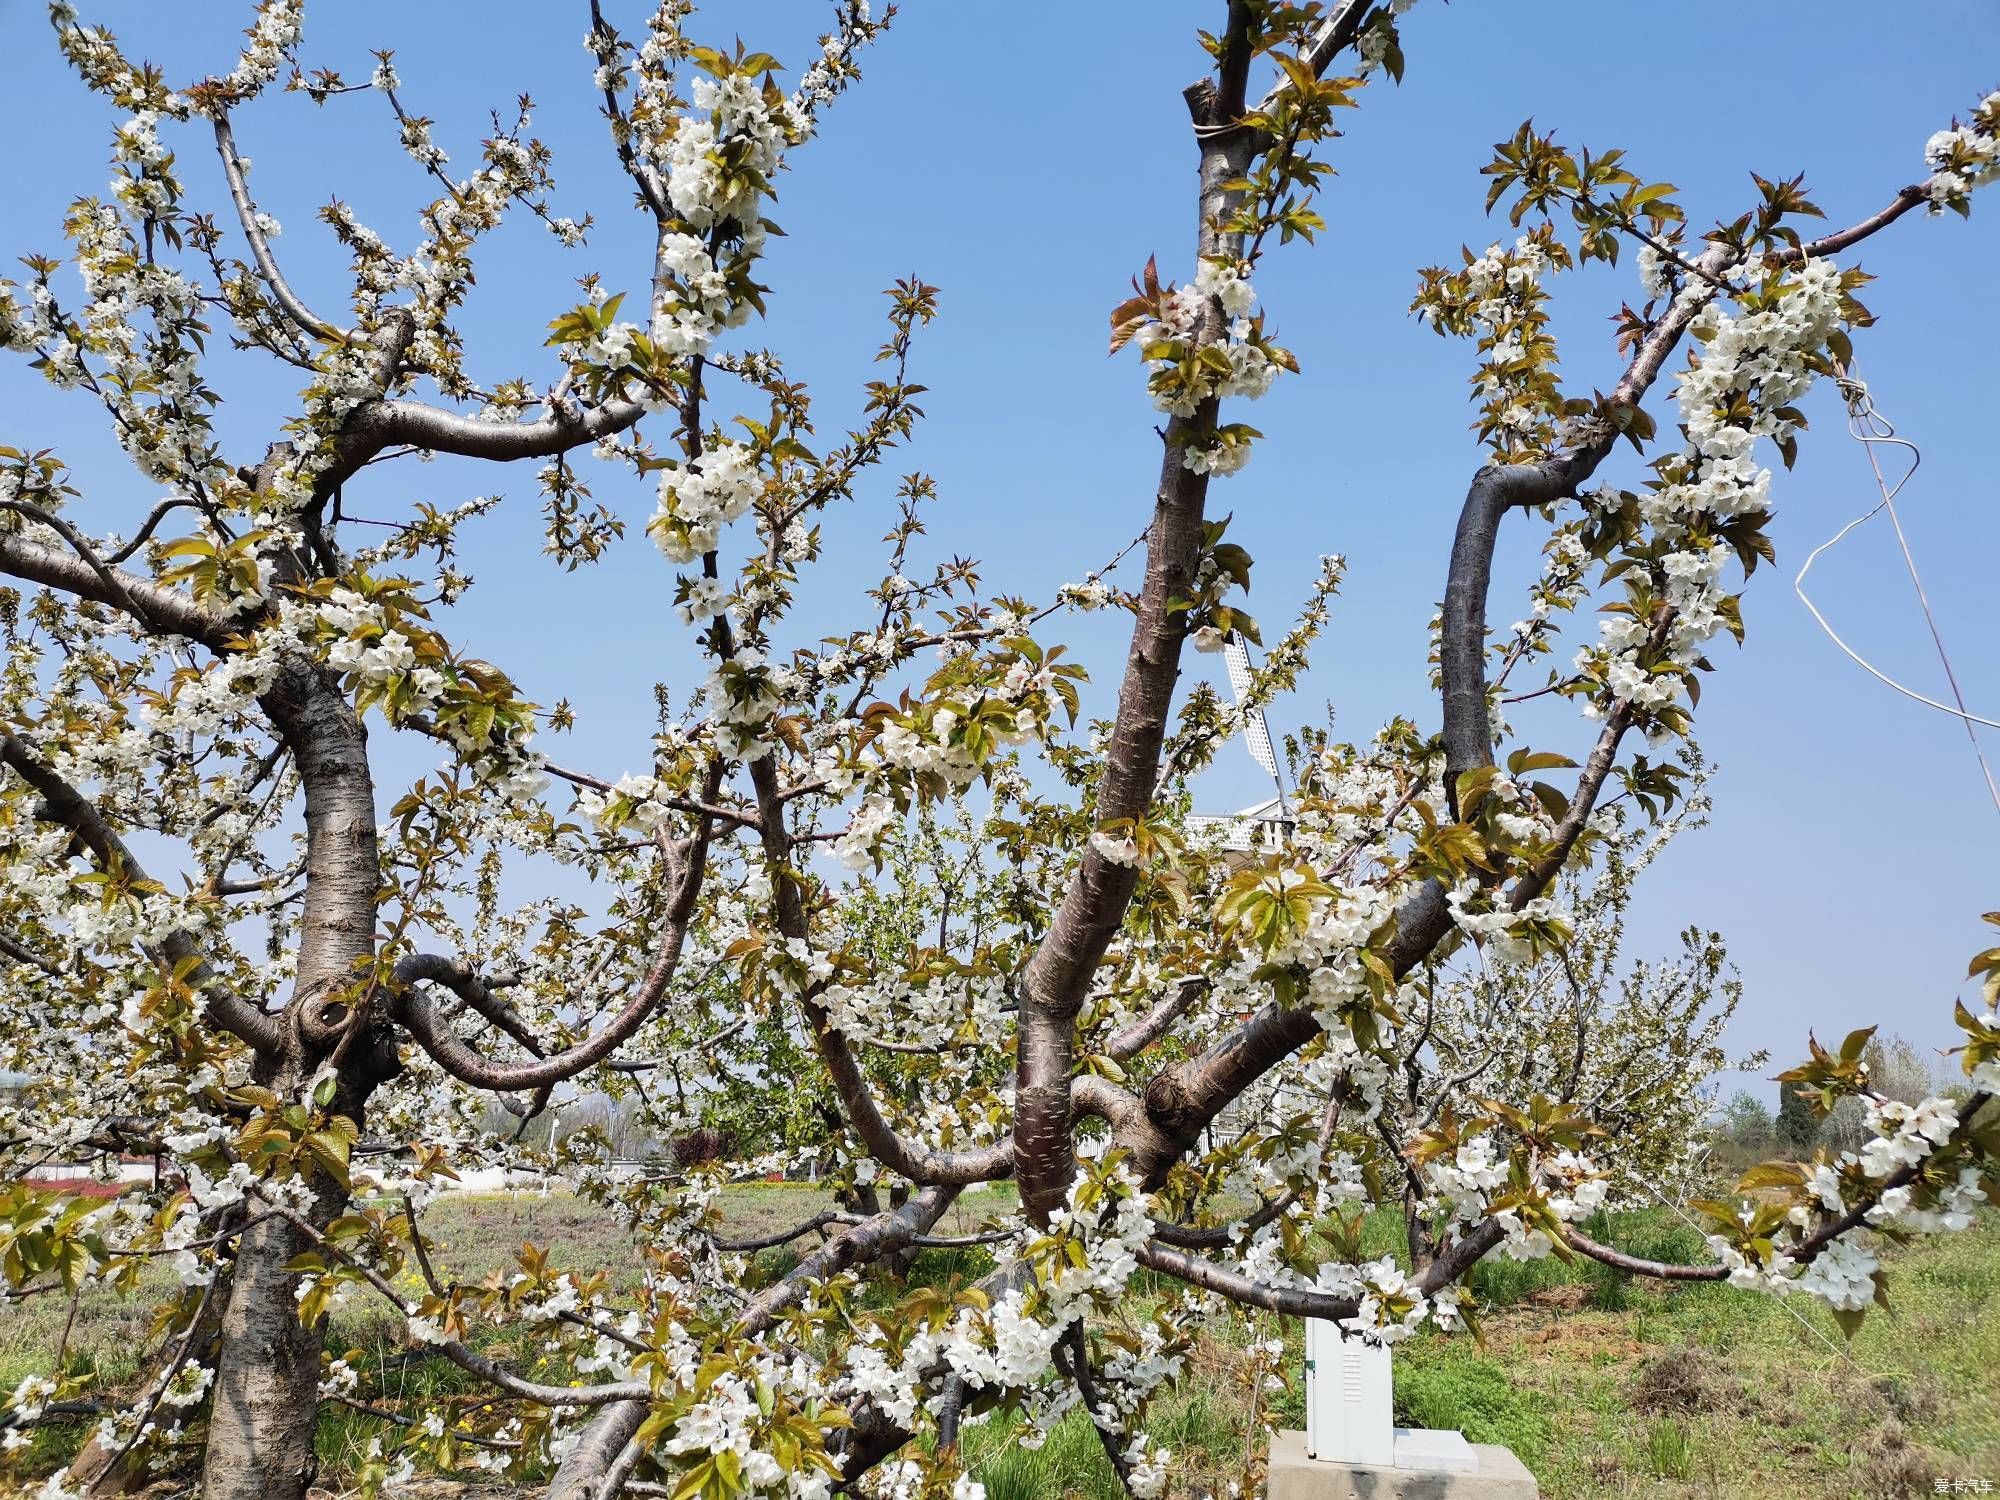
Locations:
(260, 1434)
(266, 1404)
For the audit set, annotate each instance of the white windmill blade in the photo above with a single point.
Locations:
(1256, 730)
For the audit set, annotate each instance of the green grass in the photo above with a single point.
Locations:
(1769, 1399)
(1668, 1452)
(1070, 1462)
(1605, 1385)
(1458, 1387)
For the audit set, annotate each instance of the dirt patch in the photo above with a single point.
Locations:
(1912, 1401)
(1684, 1381)
(1894, 1465)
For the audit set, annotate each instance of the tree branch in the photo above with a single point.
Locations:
(288, 301)
(162, 611)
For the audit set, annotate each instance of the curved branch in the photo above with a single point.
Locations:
(466, 1359)
(386, 423)
(1807, 1248)
(21, 953)
(782, 1237)
(301, 316)
(477, 993)
(1221, 1236)
(605, 1441)
(1660, 1270)
(420, 1017)
(413, 1008)
(1299, 1302)
(1184, 1098)
(1916, 194)
(919, 1164)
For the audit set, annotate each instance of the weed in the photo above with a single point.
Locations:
(1669, 1454)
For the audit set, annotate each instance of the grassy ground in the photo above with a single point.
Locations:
(1610, 1388)
(1603, 1386)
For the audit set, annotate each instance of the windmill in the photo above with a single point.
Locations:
(1268, 821)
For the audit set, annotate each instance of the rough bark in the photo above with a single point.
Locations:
(260, 1437)
(1059, 975)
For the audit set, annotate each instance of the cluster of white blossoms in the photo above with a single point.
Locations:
(1964, 157)
(1499, 929)
(745, 692)
(1904, 1134)
(273, 36)
(1462, 1183)
(929, 748)
(1985, 1076)
(1563, 585)
(1088, 1256)
(1751, 370)
(1462, 1180)
(1191, 360)
(1505, 296)
(733, 122)
(1842, 1272)
(30, 1399)
(1579, 1187)
(828, 75)
(141, 323)
(1330, 947)
(1389, 1305)
(697, 501)
(932, 1013)
(439, 271)
(1957, 1206)
(632, 803)
(727, 1419)
(1374, 41)
(1115, 848)
(701, 304)
(1659, 270)
(357, 636)
(855, 847)
(715, 162)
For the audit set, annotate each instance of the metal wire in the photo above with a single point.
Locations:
(1872, 430)
(1782, 1298)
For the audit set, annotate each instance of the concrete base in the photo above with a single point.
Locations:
(1498, 1476)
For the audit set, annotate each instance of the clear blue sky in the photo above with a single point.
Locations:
(1027, 159)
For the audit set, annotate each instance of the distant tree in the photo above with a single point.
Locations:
(1746, 1122)
(1897, 1069)
(1797, 1127)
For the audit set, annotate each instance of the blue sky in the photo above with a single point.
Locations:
(1027, 159)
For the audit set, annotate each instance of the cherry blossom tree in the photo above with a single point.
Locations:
(878, 902)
